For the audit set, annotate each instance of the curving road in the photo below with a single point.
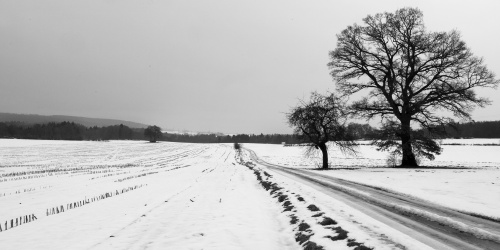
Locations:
(434, 225)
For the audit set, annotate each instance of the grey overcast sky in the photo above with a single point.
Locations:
(227, 66)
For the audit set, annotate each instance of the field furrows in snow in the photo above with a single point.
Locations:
(137, 195)
(134, 195)
(216, 211)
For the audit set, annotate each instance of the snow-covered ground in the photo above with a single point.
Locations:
(313, 208)
(466, 153)
(175, 196)
(465, 177)
(138, 195)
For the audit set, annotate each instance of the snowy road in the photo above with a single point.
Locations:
(433, 225)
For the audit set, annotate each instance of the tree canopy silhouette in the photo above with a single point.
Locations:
(414, 77)
(321, 120)
(153, 133)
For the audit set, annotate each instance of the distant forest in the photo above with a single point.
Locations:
(85, 121)
(484, 129)
(74, 131)
(68, 131)
(241, 138)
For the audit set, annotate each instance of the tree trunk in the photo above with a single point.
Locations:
(409, 160)
(324, 151)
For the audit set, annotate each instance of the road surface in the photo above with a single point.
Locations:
(434, 225)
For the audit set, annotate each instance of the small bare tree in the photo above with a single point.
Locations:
(321, 120)
(415, 77)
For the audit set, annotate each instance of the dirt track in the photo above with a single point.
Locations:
(436, 226)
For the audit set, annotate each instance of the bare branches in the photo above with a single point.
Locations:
(423, 145)
(413, 74)
(410, 67)
(321, 120)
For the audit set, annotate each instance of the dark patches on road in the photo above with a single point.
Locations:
(327, 221)
(303, 229)
(313, 208)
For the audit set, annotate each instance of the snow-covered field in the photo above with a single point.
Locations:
(133, 195)
(465, 153)
(465, 177)
(138, 195)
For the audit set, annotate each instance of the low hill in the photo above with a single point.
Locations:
(85, 121)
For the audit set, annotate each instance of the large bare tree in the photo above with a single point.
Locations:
(416, 77)
(321, 120)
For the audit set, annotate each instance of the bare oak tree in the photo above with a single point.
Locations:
(322, 120)
(414, 76)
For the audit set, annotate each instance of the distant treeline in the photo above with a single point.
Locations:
(68, 131)
(74, 131)
(360, 131)
(241, 138)
(484, 129)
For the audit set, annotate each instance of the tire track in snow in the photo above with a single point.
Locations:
(437, 226)
(304, 231)
(194, 184)
(192, 217)
(157, 206)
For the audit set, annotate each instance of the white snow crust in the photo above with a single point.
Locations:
(196, 196)
(465, 177)
(193, 196)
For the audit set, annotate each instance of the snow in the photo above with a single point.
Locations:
(471, 141)
(467, 154)
(196, 196)
(360, 226)
(188, 196)
(465, 177)
(475, 191)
